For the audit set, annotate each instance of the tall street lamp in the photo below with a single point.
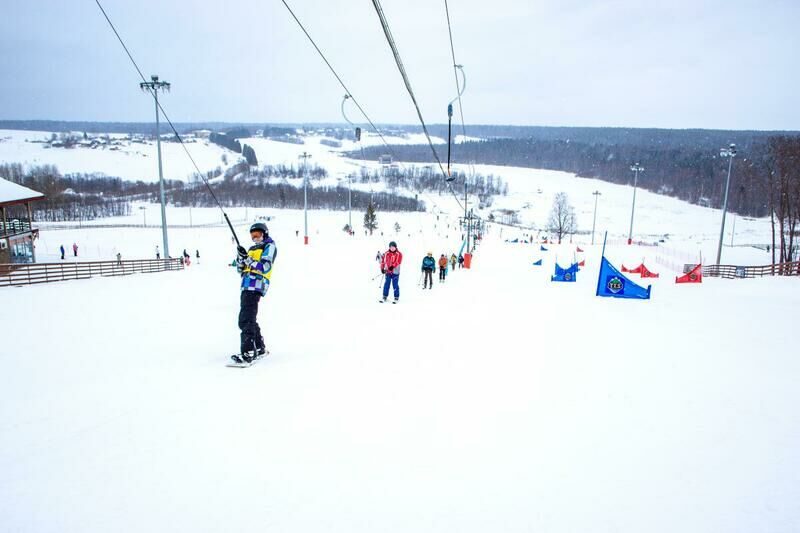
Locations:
(636, 168)
(730, 153)
(594, 218)
(153, 87)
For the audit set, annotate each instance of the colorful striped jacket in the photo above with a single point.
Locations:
(256, 268)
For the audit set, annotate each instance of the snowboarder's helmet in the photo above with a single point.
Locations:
(392, 244)
(259, 226)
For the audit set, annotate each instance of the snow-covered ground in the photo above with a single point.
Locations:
(498, 401)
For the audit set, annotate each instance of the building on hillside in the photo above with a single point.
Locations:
(16, 223)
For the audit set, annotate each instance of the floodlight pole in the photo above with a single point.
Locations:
(304, 156)
(153, 86)
(594, 218)
(730, 153)
(636, 168)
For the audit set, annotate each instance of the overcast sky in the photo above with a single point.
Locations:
(674, 64)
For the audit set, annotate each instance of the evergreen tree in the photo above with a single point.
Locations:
(370, 218)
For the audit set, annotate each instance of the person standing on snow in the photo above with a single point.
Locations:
(62, 251)
(255, 267)
(460, 261)
(75, 249)
(158, 253)
(390, 267)
(442, 268)
(428, 266)
(453, 260)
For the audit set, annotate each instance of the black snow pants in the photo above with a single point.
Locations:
(428, 278)
(251, 333)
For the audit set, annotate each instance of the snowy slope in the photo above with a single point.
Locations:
(496, 402)
(133, 161)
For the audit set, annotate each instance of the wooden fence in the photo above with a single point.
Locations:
(29, 274)
(733, 272)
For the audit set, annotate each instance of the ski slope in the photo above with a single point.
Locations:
(496, 402)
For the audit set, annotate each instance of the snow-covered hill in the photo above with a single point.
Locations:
(497, 401)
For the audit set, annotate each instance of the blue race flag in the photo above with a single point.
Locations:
(542, 248)
(611, 282)
(565, 274)
(537, 263)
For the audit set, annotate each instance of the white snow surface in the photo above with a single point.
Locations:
(498, 401)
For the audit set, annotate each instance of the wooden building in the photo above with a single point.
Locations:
(16, 223)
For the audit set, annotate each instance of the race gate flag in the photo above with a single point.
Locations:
(695, 275)
(565, 274)
(611, 282)
(537, 263)
(645, 273)
(542, 249)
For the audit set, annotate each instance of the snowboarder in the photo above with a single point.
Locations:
(390, 267)
(428, 266)
(442, 268)
(255, 267)
(62, 251)
(453, 260)
(460, 261)
(75, 249)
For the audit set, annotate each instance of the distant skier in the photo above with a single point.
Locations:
(197, 256)
(119, 259)
(255, 267)
(453, 260)
(75, 249)
(186, 258)
(442, 268)
(390, 267)
(460, 261)
(62, 251)
(379, 256)
(158, 253)
(428, 266)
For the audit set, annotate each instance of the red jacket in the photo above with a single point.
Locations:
(392, 260)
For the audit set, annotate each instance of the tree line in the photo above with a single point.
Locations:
(249, 192)
(690, 174)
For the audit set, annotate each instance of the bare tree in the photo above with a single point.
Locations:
(562, 217)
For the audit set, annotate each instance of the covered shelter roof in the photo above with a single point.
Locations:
(13, 194)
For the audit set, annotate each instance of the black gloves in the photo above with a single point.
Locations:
(241, 252)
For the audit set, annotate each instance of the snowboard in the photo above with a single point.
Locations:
(233, 364)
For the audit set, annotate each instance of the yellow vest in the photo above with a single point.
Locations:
(256, 256)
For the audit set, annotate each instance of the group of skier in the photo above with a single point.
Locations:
(429, 265)
(255, 267)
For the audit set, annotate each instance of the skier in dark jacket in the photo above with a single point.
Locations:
(428, 266)
(255, 267)
(460, 261)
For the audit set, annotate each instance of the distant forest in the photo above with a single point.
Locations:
(90, 196)
(685, 164)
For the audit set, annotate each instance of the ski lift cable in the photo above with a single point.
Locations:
(171, 125)
(456, 68)
(398, 61)
(349, 95)
(460, 90)
(336, 75)
(361, 147)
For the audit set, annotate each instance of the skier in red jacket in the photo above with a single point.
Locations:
(390, 267)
